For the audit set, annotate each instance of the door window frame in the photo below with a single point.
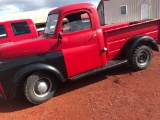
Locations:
(5, 32)
(15, 33)
(74, 12)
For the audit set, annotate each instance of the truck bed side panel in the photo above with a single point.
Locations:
(116, 38)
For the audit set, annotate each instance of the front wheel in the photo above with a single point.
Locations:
(141, 58)
(39, 87)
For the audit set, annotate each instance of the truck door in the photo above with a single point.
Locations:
(79, 43)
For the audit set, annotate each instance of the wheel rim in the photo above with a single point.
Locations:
(143, 58)
(42, 87)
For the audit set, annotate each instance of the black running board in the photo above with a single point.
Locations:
(110, 64)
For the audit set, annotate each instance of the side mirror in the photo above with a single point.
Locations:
(59, 37)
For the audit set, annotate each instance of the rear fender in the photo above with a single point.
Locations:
(136, 41)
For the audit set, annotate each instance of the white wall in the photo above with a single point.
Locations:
(113, 13)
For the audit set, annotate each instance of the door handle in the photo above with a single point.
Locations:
(104, 49)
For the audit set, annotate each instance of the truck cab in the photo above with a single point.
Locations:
(16, 30)
(78, 34)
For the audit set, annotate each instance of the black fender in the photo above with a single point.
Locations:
(136, 41)
(32, 68)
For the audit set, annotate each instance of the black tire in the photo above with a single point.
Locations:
(39, 87)
(141, 58)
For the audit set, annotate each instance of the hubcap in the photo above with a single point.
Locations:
(42, 87)
(143, 58)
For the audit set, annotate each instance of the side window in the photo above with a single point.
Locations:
(20, 28)
(3, 33)
(76, 22)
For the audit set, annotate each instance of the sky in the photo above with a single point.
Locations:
(17, 6)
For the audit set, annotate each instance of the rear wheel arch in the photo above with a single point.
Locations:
(137, 41)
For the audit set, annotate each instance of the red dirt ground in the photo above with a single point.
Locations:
(117, 94)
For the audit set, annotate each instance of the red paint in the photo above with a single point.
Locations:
(83, 49)
(117, 37)
(10, 35)
(2, 91)
(115, 26)
(25, 48)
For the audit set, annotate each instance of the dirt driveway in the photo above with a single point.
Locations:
(117, 94)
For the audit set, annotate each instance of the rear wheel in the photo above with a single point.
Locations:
(141, 58)
(39, 87)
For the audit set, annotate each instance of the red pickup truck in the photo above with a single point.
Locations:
(15, 30)
(73, 46)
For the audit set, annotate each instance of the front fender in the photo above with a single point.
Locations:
(31, 68)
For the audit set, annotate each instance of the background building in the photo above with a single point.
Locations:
(113, 11)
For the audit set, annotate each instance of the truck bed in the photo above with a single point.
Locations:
(116, 35)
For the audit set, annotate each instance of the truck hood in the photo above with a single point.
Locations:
(23, 48)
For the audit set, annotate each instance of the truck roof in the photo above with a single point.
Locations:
(72, 7)
(21, 20)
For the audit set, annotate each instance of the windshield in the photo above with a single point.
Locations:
(51, 24)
